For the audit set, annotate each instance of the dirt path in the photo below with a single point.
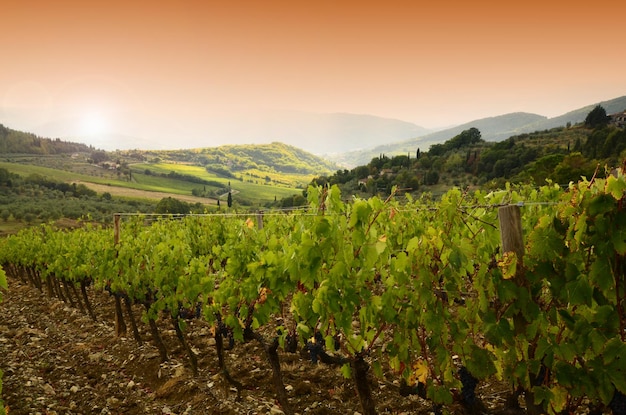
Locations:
(58, 361)
(144, 194)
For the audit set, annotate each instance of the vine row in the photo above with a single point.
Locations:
(420, 289)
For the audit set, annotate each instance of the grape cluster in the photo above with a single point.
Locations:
(618, 403)
(291, 343)
(469, 382)
(315, 346)
(188, 313)
(291, 340)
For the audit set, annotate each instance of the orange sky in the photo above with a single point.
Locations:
(74, 67)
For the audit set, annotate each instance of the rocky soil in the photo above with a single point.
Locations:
(57, 360)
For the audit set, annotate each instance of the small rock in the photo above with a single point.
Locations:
(113, 401)
(74, 389)
(95, 357)
(130, 385)
(180, 371)
(275, 410)
(48, 390)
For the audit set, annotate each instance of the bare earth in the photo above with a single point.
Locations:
(58, 361)
(144, 194)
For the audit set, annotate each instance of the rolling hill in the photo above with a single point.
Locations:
(492, 129)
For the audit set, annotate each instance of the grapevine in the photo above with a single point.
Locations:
(3, 286)
(422, 287)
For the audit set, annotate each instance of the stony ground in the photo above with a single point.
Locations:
(58, 361)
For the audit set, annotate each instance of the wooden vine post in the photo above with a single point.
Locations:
(120, 325)
(116, 228)
(512, 240)
(511, 232)
(259, 218)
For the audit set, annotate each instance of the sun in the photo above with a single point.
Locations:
(93, 123)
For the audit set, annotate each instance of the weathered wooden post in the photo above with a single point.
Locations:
(116, 228)
(512, 240)
(120, 325)
(511, 230)
(259, 219)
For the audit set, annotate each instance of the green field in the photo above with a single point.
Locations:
(247, 184)
(246, 188)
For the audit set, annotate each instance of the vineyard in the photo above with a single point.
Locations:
(524, 286)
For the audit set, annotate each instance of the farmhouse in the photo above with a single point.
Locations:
(618, 119)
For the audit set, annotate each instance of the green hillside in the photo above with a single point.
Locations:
(560, 155)
(274, 158)
(492, 129)
(496, 128)
(45, 179)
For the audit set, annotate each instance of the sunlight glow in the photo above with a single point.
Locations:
(93, 123)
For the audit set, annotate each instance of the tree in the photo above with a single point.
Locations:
(578, 145)
(99, 156)
(597, 117)
(172, 206)
(431, 178)
(572, 168)
(229, 200)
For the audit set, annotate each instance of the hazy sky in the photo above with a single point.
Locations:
(145, 68)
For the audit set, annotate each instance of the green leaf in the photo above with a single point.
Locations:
(3, 282)
(316, 306)
(439, 394)
(579, 292)
(601, 274)
(618, 379)
(567, 375)
(616, 187)
(303, 330)
(377, 368)
(614, 349)
(360, 213)
(568, 319)
(542, 394)
(601, 204)
(618, 239)
(480, 363)
(346, 371)
(566, 351)
(380, 246)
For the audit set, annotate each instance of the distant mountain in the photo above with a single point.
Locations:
(321, 133)
(577, 116)
(492, 129)
(318, 133)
